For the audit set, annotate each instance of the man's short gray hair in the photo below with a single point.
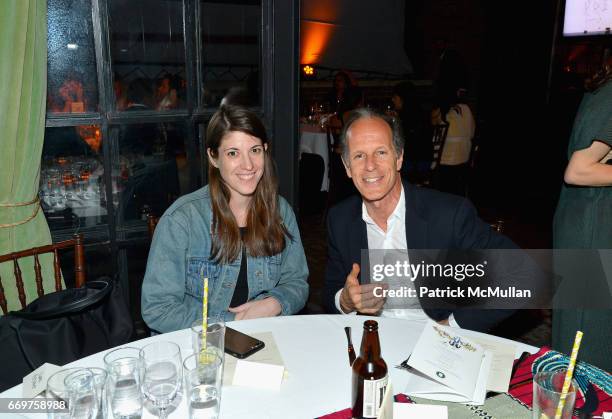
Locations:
(361, 113)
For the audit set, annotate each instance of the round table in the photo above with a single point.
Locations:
(314, 351)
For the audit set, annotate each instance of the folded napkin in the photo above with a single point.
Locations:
(594, 384)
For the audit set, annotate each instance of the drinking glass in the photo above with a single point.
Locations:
(547, 386)
(203, 385)
(123, 395)
(162, 370)
(215, 336)
(100, 383)
(57, 392)
(120, 353)
(82, 394)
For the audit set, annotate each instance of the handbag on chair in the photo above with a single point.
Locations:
(62, 327)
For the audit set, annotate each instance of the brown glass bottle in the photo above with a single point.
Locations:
(369, 374)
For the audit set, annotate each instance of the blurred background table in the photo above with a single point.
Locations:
(314, 140)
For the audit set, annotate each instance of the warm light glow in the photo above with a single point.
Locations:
(319, 18)
(314, 38)
(308, 70)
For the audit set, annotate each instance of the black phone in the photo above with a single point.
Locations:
(240, 345)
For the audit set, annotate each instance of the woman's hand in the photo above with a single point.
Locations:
(268, 307)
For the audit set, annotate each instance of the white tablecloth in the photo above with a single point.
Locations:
(315, 355)
(316, 143)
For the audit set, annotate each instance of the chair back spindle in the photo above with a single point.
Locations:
(38, 276)
(19, 282)
(438, 140)
(3, 303)
(57, 271)
(152, 221)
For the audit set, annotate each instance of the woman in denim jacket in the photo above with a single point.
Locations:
(237, 231)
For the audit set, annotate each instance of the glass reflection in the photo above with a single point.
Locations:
(147, 48)
(71, 79)
(151, 172)
(72, 177)
(231, 52)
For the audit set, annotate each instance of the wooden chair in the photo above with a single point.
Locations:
(152, 221)
(438, 139)
(79, 268)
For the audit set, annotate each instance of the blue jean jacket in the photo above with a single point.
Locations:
(179, 259)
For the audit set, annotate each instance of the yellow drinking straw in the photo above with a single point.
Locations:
(568, 375)
(204, 321)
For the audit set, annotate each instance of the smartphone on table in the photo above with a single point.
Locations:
(241, 345)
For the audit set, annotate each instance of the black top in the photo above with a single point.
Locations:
(241, 291)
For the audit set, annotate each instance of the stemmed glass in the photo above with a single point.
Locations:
(162, 374)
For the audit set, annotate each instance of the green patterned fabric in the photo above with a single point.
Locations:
(500, 406)
(23, 85)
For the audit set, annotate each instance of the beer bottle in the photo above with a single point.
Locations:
(369, 374)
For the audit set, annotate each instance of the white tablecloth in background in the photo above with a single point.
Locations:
(315, 355)
(316, 143)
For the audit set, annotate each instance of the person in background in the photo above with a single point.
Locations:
(452, 174)
(138, 138)
(166, 96)
(236, 231)
(583, 219)
(416, 130)
(120, 93)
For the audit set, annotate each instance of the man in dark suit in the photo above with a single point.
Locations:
(391, 214)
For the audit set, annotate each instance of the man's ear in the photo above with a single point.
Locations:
(346, 167)
(211, 159)
(400, 159)
(265, 146)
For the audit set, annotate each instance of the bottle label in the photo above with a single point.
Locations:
(373, 394)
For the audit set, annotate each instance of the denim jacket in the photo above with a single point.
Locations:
(179, 259)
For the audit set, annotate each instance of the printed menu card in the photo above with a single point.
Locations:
(449, 367)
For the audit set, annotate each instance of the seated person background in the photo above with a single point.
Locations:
(236, 231)
(391, 214)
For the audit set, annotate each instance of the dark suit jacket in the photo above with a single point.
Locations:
(434, 220)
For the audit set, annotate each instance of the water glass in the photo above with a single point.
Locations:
(162, 372)
(203, 385)
(82, 394)
(58, 392)
(215, 336)
(547, 386)
(120, 353)
(100, 383)
(123, 395)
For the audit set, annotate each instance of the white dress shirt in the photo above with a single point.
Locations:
(392, 239)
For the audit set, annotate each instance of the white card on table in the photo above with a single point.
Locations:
(268, 355)
(255, 374)
(501, 363)
(419, 411)
(36, 381)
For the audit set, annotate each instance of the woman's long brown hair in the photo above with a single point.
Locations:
(265, 233)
